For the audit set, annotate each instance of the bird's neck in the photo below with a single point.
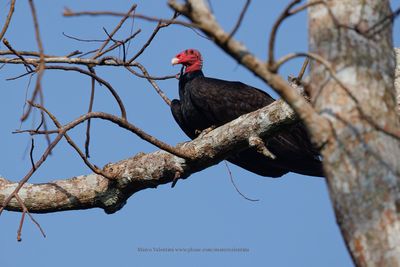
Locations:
(187, 76)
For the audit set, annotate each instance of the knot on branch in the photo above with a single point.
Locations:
(111, 200)
(259, 145)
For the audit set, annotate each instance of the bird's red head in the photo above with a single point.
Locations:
(190, 58)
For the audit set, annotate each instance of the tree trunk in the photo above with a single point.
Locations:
(361, 159)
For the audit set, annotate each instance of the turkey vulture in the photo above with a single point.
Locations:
(206, 102)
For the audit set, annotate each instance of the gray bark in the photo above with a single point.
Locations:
(148, 170)
(361, 161)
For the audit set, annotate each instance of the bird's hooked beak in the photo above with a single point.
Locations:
(175, 61)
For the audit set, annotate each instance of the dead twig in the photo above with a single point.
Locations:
(41, 66)
(94, 168)
(92, 91)
(152, 82)
(83, 40)
(31, 172)
(98, 79)
(119, 43)
(8, 19)
(235, 186)
(69, 13)
(15, 52)
(21, 223)
(240, 19)
(123, 124)
(271, 46)
(22, 53)
(159, 26)
(382, 23)
(98, 53)
(387, 129)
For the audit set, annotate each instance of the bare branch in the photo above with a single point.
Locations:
(397, 78)
(123, 123)
(98, 79)
(152, 82)
(240, 19)
(148, 170)
(41, 66)
(271, 46)
(235, 186)
(72, 143)
(387, 129)
(98, 53)
(107, 61)
(69, 13)
(8, 19)
(159, 26)
(23, 61)
(90, 109)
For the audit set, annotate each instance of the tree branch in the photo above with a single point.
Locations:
(148, 170)
(8, 19)
(397, 78)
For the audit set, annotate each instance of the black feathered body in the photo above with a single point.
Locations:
(206, 102)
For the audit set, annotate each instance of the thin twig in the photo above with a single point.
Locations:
(41, 66)
(119, 43)
(240, 19)
(387, 129)
(374, 29)
(35, 132)
(8, 19)
(271, 46)
(31, 152)
(159, 26)
(98, 79)
(26, 211)
(152, 82)
(83, 40)
(87, 141)
(47, 137)
(67, 60)
(235, 186)
(22, 53)
(73, 53)
(303, 69)
(114, 31)
(21, 224)
(70, 13)
(15, 52)
(126, 125)
(31, 172)
(62, 131)
(305, 6)
(147, 76)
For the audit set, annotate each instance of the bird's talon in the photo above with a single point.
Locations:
(202, 133)
(176, 178)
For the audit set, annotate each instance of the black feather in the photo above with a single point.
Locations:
(206, 102)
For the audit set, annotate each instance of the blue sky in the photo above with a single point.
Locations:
(293, 223)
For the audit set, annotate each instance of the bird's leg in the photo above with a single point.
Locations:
(202, 133)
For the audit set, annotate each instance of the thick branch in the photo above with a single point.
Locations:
(148, 170)
(360, 160)
(397, 78)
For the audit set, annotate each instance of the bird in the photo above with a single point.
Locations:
(206, 103)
